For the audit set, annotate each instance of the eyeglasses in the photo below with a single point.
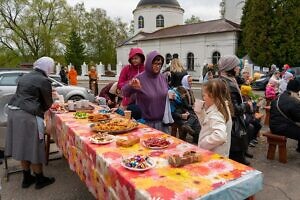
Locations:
(157, 63)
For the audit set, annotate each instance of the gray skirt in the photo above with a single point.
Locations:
(22, 139)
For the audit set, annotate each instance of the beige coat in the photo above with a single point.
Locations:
(215, 133)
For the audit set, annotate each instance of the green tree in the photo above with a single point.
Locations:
(270, 32)
(286, 37)
(75, 51)
(32, 28)
(241, 51)
(193, 20)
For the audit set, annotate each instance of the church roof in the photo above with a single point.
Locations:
(172, 3)
(207, 27)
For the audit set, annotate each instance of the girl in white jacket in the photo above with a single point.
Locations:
(215, 117)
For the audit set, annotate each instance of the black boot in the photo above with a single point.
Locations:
(42, 181)
(28, 179)
(249, 155)
(298, 149)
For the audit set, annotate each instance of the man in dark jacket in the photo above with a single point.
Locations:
(63, 75)
(285, 113)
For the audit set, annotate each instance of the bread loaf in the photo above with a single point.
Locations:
(130, 141)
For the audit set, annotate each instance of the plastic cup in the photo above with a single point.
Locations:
(78, 104)
(71, 105)
(85, 103)
(127, 114)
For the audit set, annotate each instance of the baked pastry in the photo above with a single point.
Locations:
(98, 117)
(188, 157)
(128, 141)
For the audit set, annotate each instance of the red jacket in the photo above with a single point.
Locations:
(129, 71)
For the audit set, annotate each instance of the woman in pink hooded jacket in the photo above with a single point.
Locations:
(136, 66)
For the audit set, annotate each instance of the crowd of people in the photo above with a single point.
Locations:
(226, 120)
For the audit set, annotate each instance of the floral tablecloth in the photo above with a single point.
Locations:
(215, 177)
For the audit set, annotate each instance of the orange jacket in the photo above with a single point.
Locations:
(93, 74)
(72, 77)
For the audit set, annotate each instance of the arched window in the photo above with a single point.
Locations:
(141, 22)
(216, 57)
(160, 22)
(190, 61)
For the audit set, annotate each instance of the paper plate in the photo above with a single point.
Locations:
(150, 162)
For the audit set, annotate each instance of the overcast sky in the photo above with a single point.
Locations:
(205, 9)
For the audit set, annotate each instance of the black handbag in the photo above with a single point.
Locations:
(238, 127)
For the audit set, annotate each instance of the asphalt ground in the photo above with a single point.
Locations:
(281, 181)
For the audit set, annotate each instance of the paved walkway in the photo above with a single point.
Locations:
(281, 181)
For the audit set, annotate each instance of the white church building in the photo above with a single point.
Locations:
(158, 25)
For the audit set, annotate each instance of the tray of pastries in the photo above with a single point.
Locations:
(114, 126)
(97, 117)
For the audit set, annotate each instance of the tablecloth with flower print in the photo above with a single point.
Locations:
(215, 177)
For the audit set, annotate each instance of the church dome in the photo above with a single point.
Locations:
(169, 3)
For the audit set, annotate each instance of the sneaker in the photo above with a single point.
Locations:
(255, 141)
(251, 144)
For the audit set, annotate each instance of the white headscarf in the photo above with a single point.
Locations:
(45, 64)
(185, 82)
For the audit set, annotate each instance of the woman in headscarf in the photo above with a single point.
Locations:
(239, 142)
(151, 89)
(72, 76)
(24, 142)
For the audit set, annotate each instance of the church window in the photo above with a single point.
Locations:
(141, 22)
(168, 58)
(160, 22)
(190, 61)
(216, 57)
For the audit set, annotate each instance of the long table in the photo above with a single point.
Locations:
(215, 177)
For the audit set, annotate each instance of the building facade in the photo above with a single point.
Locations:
(196, 44)
(232, 10)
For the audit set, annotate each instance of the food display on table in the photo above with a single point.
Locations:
(81, 115)
(187, 158)
(156, 143)
(101, 138)
(138, 163)
(116, 125)
(97, 117)
(127, 141)
(57, 108)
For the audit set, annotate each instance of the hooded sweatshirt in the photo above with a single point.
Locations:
(130, 71)
(151, 98)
